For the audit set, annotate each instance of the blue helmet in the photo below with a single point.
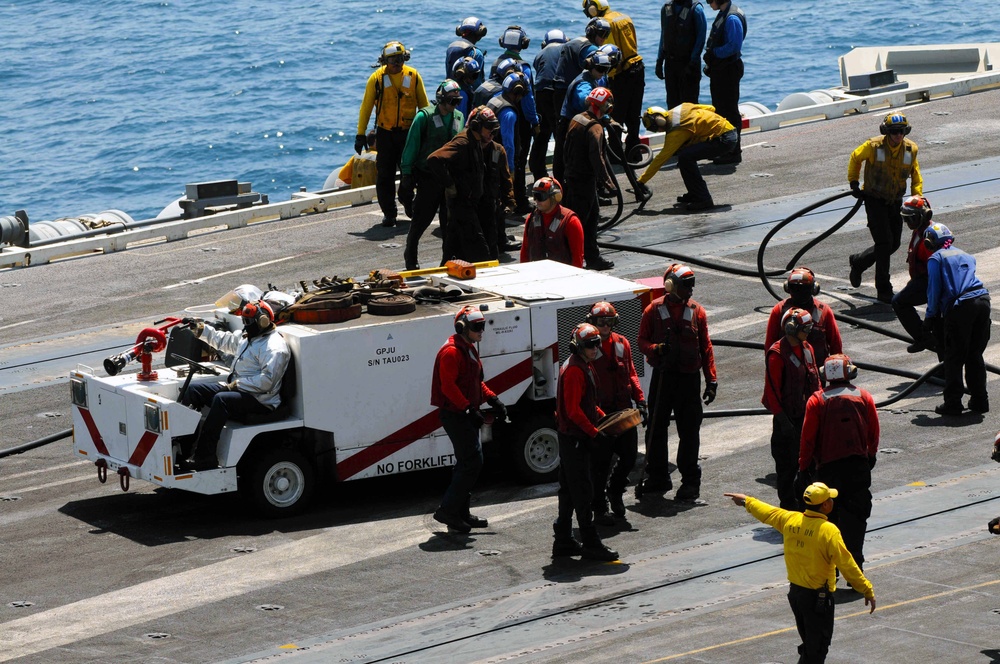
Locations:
(505, 67)
(600, 61)
(936, 236)
(598, 27)
(515, 83)
(514, 38)
(613, 52)
(466, 67)
(471, 27)
(554, 36)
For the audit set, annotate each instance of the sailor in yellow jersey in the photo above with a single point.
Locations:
(694, 131)
(395, 91)
(628, 76)
(814, 549)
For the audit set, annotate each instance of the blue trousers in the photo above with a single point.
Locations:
(688, 156)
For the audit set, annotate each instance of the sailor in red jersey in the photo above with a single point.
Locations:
(458, 390)
(551, 230)
(577, 414)
(802, 289)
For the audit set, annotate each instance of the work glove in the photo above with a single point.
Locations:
(642, 193)
(643, 411)
(537, 129)
(662, 349)
(856, 189)
(784, 425)
(360, 143)
(475, 416)
(710, 391)
(405, 194)
(231, 386)
(194, 324)
(994, 526)
(659, 69)
(498, 407)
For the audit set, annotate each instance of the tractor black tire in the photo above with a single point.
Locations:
(536, 449)
(280, 482)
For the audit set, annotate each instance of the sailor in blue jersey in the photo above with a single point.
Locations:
(957, 296)
(724, 66)
(466, 72)
(546, 63)
(493, 85)
(469, 32)
(678, 59)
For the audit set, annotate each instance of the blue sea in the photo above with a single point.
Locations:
(119, 103)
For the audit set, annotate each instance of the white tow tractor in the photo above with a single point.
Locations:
(357, 393)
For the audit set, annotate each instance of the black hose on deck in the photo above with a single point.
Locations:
(36, 443)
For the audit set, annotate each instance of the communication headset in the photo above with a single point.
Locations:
(675, 276)
(482, 115)
(514, 37)
(473, 25)
(894, 119)
(597, 27)
(260, 312)
(550, 186)
(838, 367)
(594, 8)
(467, 315)
(583, 333)
(791, 281)
(794, 320)
(603, 310)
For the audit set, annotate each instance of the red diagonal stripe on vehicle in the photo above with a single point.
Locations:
(422, 427)
(95, 434)
(142, 449)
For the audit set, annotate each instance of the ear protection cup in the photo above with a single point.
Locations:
(465, 316)
(548, 185)
(838, 367)
(514, 37)
(471, 24)
(261, 311)
(594, 8)
(794, 320)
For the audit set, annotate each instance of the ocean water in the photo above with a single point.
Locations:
(119, 103)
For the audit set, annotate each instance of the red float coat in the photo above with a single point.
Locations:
(790, 379)
(557, 236)
(917, 254)
(841, 421)
(457, 382)
(577, 411)
(617, 382)
(686, 323)
(824, 336)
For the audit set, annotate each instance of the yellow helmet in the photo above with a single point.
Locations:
(656, 118)
(393, 49)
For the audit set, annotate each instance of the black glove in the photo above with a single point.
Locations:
(710, 391)
(642, 192)
(856, 189)
(801, 482)
(194, 324)
(360, 143)
(498, 407)
(659, 69)
(663, 349)
(872, 460)
(691, 70)
(405, 194)
(785, 427)
(602, 438)
(994, 526)
(643, 411)
(475, 416)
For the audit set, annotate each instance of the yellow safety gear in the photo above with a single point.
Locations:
(886, 168)
(689, 123)
(623, 36)
(395, 98)
(814, 548)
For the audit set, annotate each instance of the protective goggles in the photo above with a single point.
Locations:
(394, 60)
(451, 101)
(603, 321)
(540, 195)
(807, 328)
(477, 326)
(592, 343)
(896, 131)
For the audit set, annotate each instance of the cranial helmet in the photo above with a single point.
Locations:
(448, 88)
(678, 281)
(613, 52)
(594, 8)
(598, 27)
(257, 317)
(469, 318)
(936, 236)
(598, 60)
(600, 101)
(392, 49)
(514, 38)
(505, 67)
(603, 311)
(838, 367)
(656, 118)
(483, 116)
(583, 336)
(894, 121)
(796, 320)
(554, 36)
(546, 188)
(515, 83)
(471, 27)
(916, 212)
(801, 280)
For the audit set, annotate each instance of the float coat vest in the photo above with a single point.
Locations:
(470, 375)
(678, 30)
(395, 107)
(589, 403)
(843, 425)
(885, 176)
(548, 241)
(682, 336)
(799, 377)
(614, 382)
(717, 37)
(485, 92)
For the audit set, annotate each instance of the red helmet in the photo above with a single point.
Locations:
(679, 280)
(600, 101)
(470, 318)
(800, 280)
(839, 367)
(916, 212)
(796, 320)
(483, 116)
(603, 313)
(584, 335)
(546, 188)
(259, 312)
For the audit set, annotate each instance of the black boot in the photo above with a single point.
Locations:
(593, 547)
(564, 544)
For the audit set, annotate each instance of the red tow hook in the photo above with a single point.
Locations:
(102, 470)
(123, 478)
